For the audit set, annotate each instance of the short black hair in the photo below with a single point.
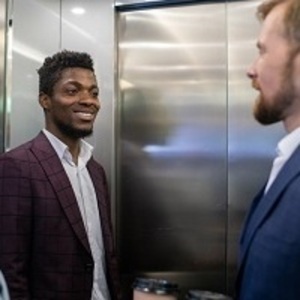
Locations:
(50, 71)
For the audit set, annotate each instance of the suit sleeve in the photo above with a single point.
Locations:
(15, 224)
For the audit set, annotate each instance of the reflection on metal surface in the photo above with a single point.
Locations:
(8, 76)
(31, 42)
(191, 157)
(3, 31)
(172, 222)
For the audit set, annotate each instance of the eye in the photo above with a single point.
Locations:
(95, 93)
(71, 91)
(261, 49)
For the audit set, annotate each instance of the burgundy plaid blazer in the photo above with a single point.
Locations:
(44, 250)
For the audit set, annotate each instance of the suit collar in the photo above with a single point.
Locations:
(263, 205)
(62, 149)
(268, 201)
(58, 178)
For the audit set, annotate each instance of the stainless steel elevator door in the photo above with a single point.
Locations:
(172, 146)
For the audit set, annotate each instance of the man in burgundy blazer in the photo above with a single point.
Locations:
(44, 248)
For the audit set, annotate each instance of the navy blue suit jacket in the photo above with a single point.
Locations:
(270, 242)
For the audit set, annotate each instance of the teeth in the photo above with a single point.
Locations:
(85, 116)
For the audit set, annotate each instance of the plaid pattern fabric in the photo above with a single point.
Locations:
(44, 250)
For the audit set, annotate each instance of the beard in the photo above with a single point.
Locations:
(71, 131)
(270, 112)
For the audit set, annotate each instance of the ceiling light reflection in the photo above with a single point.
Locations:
(78, 10)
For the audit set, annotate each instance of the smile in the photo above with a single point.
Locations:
(85, 116)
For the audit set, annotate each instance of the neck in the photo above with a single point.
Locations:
(291, 123)
(74, 148)
(72, 143)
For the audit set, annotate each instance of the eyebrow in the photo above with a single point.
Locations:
(78, 84)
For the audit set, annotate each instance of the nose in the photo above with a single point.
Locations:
(87, 98)
(251, 73)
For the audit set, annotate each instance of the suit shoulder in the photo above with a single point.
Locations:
(15, 152)
(16, 162)
(95, 164)
(19, 153)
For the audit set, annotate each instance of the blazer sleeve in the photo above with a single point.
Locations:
(15, 224)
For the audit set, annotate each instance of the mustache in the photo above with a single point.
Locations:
(255, 85)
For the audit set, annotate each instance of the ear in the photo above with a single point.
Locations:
(45, 101)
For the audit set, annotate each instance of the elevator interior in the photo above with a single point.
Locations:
(175, 134)
(190, 155)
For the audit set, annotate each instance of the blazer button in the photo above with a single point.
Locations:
(89, 267)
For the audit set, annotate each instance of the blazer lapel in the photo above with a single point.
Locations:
(100, 185)
(59, 180)
(252, 209)
(267, 202)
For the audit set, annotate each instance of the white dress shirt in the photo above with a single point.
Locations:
(86, 197)
(4, 295)
(285, 149)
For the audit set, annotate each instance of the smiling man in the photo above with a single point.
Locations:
(56, 232)
(270, 242)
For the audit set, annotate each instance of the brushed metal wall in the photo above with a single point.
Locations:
(173, 124)
(190, 155)
(3, 30)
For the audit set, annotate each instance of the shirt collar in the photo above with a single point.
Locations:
(63, 152)
(289, 143)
